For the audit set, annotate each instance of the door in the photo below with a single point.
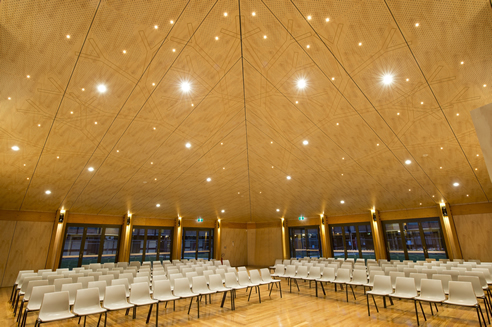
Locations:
(305, 242)
(197, 244)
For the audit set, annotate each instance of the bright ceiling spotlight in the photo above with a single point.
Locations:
(278, 210)
(342, 202)
(456, 184)
(301, 83)
(157, 205)
(101, 88)
(209, 179)
(188, 145)
(408, 162)
(387, 79)
(185, 86)
(222, 211)
(305, 142)
(48, 192)
(15, 148)
(288, 177)
(90, 169)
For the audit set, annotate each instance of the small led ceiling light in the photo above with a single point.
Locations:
(422, 102)
(278, 210)
(39, 125)
(407, 79)
(68, 36)
(29, 76)
(467, 195)
(157, 205)
(156, 26)
(171, 21)
(387, 79)
(409, 190)
(308, 46)
(333, 78)
(297, 102)
(216, 38)
(417, 24)
(90, 169)
(408, 162)
(253, 14)
(456, 184)
(209, 179)
(301, 83)
(124, 51)
(342, 202)
(377, 144)
(327, 19)
(9, 98)
(305, 142)
(174, 50)
(264, 36)
(288, 177)
(360, 44)
(185, 86)
(101, 88)
(309, 17)
(95, 123)
(188, 145)
(222, 210)
(485, 85)
(83, 89)
(457, 114)
(225, 14)
(15, 148)
(47, 192)
(462, 62)
(398, 114)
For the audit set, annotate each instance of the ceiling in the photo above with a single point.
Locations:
(244, 117)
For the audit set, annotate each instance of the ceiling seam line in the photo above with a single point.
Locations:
(59, 105)
(338, 90)
(435, 98)
(322, 131)
(245, 110)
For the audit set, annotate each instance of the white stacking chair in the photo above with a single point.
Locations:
(279, 271)
(124, 282)
(408, 271)
(162, 292)
(87, 303)
(343, 277)
(108, 265)
(72, 291)
(190, 276)
(128, 276)
(199, 286)
(462, 294)
(107, 279)
(140, 296)
(28, 291)
(22, 287)
(85, 281)
(101, 286)
(359, 278)
(59, 282)
(231, 282)
(115, 298)
(51, 279)
(382, 287)
(445, 279)
(314, 275)
(17, 280)
(429, 272)
(477, 288)
(266, 277)
(122, 264)
(431, 291)
(394, 275)
(182, 290)
(35, 299)
(418, 277)
(453, 273)
(370, 283)
(328, 277)
(405, 289)
(54, 306)
(277, 262)
(75, 277)
(302, 272)
(215, 284)
(243, 279)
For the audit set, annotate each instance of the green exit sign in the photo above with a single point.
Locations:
(301, 218)
(200, 220)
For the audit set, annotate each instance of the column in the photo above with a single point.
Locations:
(56, 244)
(217, 248)
(325, 247)
(178, 229)
(449, 231)
(377, 235)
(126, 238)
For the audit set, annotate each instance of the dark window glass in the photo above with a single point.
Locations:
(151, 243)
(352, 241)
(197, 243)
(305, 242)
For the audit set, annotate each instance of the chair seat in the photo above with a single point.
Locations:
(310, 278)
(117, 306)
(165, 298)
(88, 311)
(355, 284)
(378, 293)
(462, 303)
(207, 292)
(187, 295)
(275, 281)
(239, 287)
(430, 299)
(402, 296)
(139, 302)
(54, 317)
(340, 282)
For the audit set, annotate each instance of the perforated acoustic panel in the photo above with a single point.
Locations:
(270, 149)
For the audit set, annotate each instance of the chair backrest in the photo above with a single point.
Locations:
(101, 285)
(122, 281)
(394, 275)
(161, 288)
(290, 271)
(265, 275)
(315, 272)
(52, 278)
(140, 291)
(103, 271)
(59, 282)
(445, 279)
(433, 288)
(25, 282)
(31, 284)
(86, 298)
(199, 284)
(418, 277)
(85, 281)
(254, 274)
(22, 272)
(190, 276)
(387, 270)
(405, 286)
(480, 275)
(475, 281)
(279, 270)
(56, 302)
(461, 291)
(115, 294)
(71, 289)
(302, 271)
(107, 279)
(382, 284)
(215, 282)
(76, 276)
(343, 275)
(374, 273)
(243, 278)
(408, 271)
(173, 277)
(359, 276)
(429, 272)
(221, 272)
(181, 286)
(230, 280)
(227, 263)
(37, 296)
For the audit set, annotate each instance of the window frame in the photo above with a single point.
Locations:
(198, 229)
(359, 248)
(422, 235)
(158, 248)
(82, 241)
(291, 240)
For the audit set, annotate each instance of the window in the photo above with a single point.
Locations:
(85, 244)
(197, 243)
(415, 239)
(352, 241)
(151, 243)
(305, 242)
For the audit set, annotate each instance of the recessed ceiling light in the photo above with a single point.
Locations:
(337, 124)
(83, 89)
(417, 24)
(225, 14)
(29, 76)
(422, 102)
(297, 102)
(151, 162)
(333, 78)
(221, 143)
(278, 210)
(457, 114)
(467, 195)
(485, 85)
(90, 169)
(174, 50)
(153, 84)
(342, 202)
(192, 105)
(157, 205)
(440, 167)
(272, 166)
(39, 125)
(171, 21)
(305, 142)
(420, 203)
(47, 192)
(95, 123)
(309, 17)
(124, 51)
(238, 192)
(57, 157)
(155, 179)
(68, 36)
(9, 98)
(377, 144)
(387, 79)
(271, 142)
(185, 86)
(308, 46)
(209, 179)
(327, 19)
(478, 155)
(188, 145)
(342, 174)
(28, 178)
(433, 196)
(222, 210)
(156, 26)
(15, 148)
(409, 190)
(442, 148)
(476, 168)
(288, 177)
(398, 114)
(360, 44)
(216, 38)
(407, 79)
(408, 162)
(253, 14)
(101, 88)
(223, 167)
(264, 36)
(301, 83)
(24, 165)
(456, 184)
(343, 158)
(154, 128)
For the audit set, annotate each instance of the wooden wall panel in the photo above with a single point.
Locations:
(234, 246)
(268, 246)
(251, 246)
(474, 235)
(29, 248)
(6, 234)
(410, 214)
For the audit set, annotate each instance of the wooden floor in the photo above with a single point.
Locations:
(294, 309)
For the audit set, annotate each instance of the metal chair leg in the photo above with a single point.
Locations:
(423, 313)
(416, 312)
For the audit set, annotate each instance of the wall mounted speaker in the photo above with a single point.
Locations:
(444, 212)
(374, 216)
(61, 217)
